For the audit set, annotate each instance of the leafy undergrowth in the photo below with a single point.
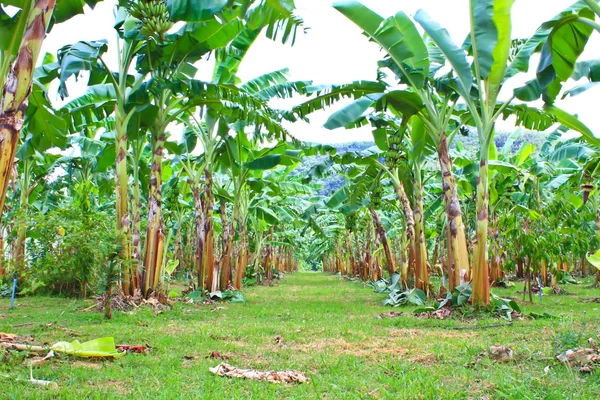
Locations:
(319, 325)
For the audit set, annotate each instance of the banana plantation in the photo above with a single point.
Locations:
(146, 180)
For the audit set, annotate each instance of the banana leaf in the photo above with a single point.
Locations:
(594, 259)
(104, 347)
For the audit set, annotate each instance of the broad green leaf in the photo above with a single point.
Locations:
(501, 166)
(103, 348)
(572, 122)
(194, 10)
(594, 259)
(486, 34)
(380, 138)
(524, 153)
(397, 35)
(560, 52)
(338, 197)
(418, 138)
(502, 21)
(454, 54)
(264, 163)
(405, 102)
(534, 44)
(349, 114)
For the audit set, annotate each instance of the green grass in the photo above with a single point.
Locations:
(329, 332)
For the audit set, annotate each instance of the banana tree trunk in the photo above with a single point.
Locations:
(368, 263)
(384, 241)
(17, 87)
(154, 245)
(2, 257)
(410, 227)
(352, 266)
(421, 275)
(598, 236)
(242, 259)
(200, 235)
(208, 259)
(226, 258)
(136, 231)
(458, 256)
(480, 275)
(359, 258)
(130, 281)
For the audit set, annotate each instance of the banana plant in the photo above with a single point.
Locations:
(415, 63)
(21, 40)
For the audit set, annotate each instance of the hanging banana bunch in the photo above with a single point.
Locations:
(393, 154)
(376, 195)
(350, 220)
(153, 15)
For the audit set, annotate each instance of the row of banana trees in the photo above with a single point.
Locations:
(428, 91)
(224, 198)
(218, 201)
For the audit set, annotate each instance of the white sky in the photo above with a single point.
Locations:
(335, 51)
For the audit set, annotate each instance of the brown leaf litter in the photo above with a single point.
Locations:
(390, 314)
(137, 349)
(590, 300)
(441, 313)
(122, 302)
(585, 359)
(230, 371)
(496, 353)
(217, 356)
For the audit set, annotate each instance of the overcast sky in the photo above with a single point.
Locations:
(334, 51)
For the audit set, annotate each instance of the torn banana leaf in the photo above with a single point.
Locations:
(104, 347)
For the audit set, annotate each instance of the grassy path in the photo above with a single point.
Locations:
(328, 330)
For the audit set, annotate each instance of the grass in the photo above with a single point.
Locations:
(330, 332)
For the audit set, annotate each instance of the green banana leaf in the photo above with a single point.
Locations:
(594, 259)
(104, 347)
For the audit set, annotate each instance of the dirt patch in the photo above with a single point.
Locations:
(426, 359)
(86, 365)
(120, 387)
(368, 349)
(413, 333)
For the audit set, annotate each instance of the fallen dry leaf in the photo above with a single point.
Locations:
(390, 314)
(38, 360)
(227, 370)
(278, 339)
(501, 353)
(217, 356)
(584, 359)
(137, 349)
(7, 337)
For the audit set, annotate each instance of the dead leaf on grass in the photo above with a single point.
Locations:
(227, 370)
(390, 314)
(217, 356)
(501, 353)
(585, 359)
(38, 360)
(7, 337)
(498, 353)
(278, 340)
(137, 349)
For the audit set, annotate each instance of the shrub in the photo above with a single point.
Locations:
(68, 251)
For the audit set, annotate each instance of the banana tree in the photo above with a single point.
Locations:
(415, 63)
(22, 36)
